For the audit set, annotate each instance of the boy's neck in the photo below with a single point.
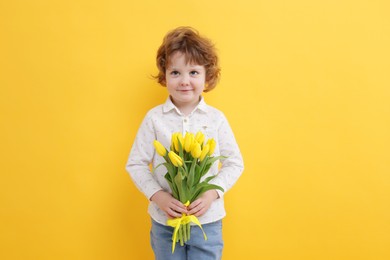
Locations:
(186, 108)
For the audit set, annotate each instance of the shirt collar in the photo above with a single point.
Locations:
(168, 106)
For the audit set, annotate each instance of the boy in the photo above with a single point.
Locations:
(188, 66)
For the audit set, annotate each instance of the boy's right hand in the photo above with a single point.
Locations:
(171, 206)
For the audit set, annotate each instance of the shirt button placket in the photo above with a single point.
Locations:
(186, 122)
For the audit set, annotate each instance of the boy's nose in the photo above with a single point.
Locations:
(185, 81)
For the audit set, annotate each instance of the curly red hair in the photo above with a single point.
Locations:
(197, 50)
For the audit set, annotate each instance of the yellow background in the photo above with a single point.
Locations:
(305, 86)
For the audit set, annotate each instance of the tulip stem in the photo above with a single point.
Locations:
(181, 235)
(185, 232)
(188, 231)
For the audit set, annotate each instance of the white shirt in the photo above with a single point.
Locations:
(159, 124)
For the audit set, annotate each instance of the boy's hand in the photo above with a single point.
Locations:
(171, 206)
(203, 203)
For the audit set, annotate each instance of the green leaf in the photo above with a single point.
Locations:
(206, 169)
(209, 178)
(191, 174)
(168, 177)
(179, 185)
(203, 187)
(207, 165)
(181, 154)
(197, 175)
(203, 163)
(171, 170)
(216, 158)
(155, 168)
(172, 186)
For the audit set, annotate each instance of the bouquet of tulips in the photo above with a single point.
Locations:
(189, 159)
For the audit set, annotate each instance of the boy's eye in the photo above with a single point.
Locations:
(194, 72)
(174, 73)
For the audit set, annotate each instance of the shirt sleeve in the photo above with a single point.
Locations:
(232, 166)
(141, 156)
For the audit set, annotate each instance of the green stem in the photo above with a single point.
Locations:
(181, 235)
(188, 231)
(185, 232)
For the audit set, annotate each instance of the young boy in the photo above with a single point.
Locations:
(188, 66)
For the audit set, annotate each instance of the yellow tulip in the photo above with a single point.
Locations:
(176, 138)
(181, 139)
(175, 159)
(188, 141)
(195, 150)
(174, 142)
(205, 151)
(160, 149)
(212, 144)
(199, 137)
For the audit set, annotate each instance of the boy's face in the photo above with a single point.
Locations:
(185, 82)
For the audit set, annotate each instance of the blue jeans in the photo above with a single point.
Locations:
(194, 249)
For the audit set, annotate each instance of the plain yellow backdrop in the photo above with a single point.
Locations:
(305, 85)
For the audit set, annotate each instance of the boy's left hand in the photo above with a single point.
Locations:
(203, 203)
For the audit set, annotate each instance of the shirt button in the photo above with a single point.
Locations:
(185, 120)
